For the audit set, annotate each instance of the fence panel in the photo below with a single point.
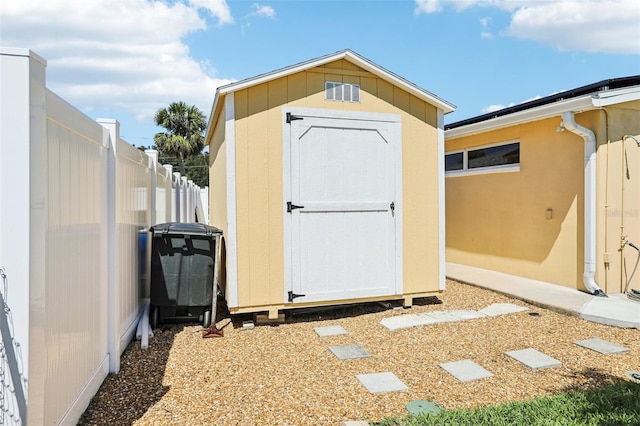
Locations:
(76, 279)
(76, 202)
(133, 219)
(163, 195)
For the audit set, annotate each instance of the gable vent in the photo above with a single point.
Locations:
(346, 92)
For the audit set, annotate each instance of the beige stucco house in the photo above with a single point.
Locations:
(550, 189)
(327, 178)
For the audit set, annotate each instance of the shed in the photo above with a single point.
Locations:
(327, 178)
(548, 190)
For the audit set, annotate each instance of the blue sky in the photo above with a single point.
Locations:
(124, 59)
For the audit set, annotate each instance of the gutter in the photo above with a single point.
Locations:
(588, 277)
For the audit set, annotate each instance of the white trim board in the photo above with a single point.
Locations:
(231, 237)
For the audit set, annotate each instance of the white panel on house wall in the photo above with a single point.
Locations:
(342, 241)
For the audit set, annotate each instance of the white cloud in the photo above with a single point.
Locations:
(218, 8)
(484, 23)
(428, 6)
(497, 107)
(264, 11)
(433, 6)
(605, 26)
(592, 26)
(493, 108)
(125, 55)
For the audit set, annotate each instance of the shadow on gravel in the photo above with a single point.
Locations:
(590, 378)
(117, 402)
(326, 313)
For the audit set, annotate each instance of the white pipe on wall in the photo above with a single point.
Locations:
(588, 277)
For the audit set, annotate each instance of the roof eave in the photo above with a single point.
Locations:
(213, 116)
(396, 80)
(579, 104)
(350, 56)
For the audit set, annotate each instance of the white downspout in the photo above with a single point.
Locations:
(588, 277)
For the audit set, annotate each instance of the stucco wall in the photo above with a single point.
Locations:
(259, 180)
(498, 221)
(619, 196)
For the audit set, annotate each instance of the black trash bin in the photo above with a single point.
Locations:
(183, 257)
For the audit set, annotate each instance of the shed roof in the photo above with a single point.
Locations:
(591, 96)
(345, 54)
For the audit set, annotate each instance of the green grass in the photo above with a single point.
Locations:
(615, 404)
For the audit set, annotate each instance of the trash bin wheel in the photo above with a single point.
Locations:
(206, 322)
(154, 317)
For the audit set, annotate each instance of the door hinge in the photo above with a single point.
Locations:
(291, 207)
(292, 296)
(291, 117)
(393, 208)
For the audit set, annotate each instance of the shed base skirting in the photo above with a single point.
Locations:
(273, 310)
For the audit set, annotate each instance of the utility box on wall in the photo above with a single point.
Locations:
(327, 180)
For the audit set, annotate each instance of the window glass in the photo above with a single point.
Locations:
(494, 156)
(453, 161)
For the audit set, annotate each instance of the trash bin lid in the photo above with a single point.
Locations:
(181, 228)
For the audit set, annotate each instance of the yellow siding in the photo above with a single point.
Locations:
(259, 180)
(420, 198)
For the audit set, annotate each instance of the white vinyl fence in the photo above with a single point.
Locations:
(76, 202)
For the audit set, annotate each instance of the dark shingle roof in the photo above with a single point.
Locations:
(610, 84)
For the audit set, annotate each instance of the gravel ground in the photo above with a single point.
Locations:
(286, 375)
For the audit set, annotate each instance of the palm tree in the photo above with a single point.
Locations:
(185, 125)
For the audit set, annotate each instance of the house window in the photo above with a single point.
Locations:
(503, 157)
(346, 92)
(454, 161)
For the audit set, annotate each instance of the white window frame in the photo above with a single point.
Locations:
(343, 86)
(466, 171)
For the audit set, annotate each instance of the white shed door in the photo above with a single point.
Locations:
(342, 211)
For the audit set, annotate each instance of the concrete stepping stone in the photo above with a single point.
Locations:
(458, 315)
(407, 321)
(466, 370)
(502, 309)
(330, 330)
(534, 359)
(601, 346)
(350, 351)
(382, 382)
(427, 318)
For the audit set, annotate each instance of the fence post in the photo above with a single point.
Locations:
(184, 207)
(153, 158)
(190, 201)
(23, 220)
(169, 191)
(177, 190)
(113, 313)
